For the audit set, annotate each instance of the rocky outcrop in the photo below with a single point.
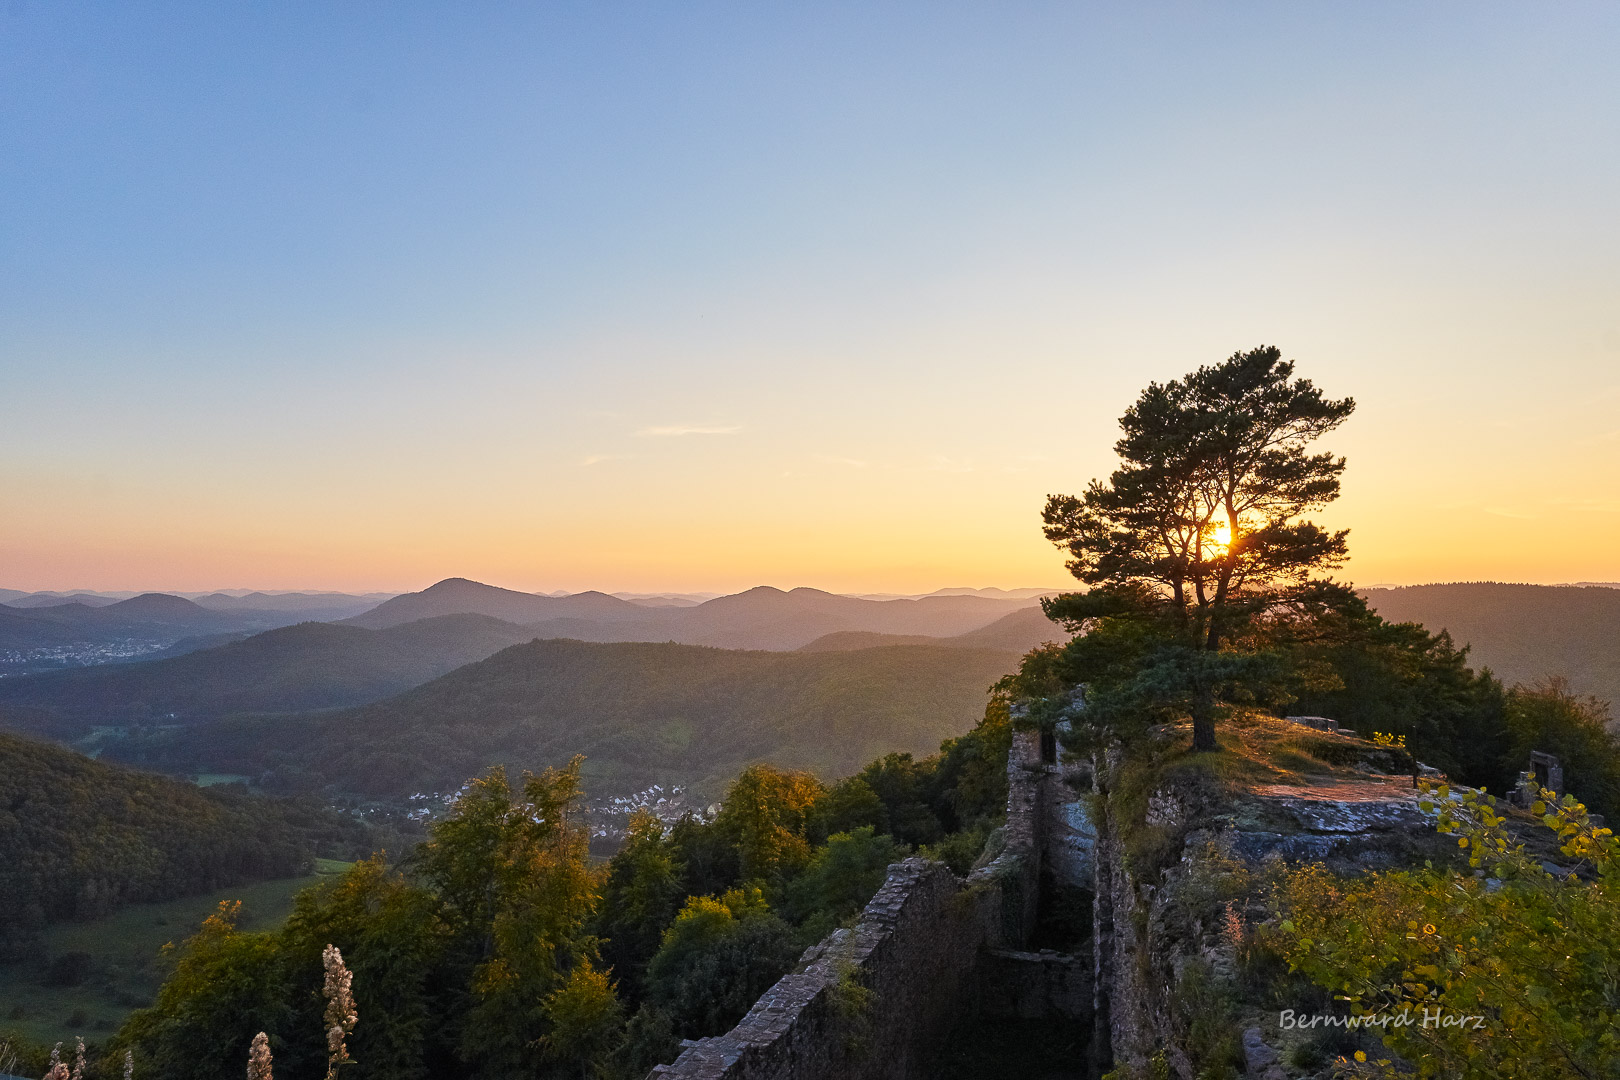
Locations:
(1349, 824)
(1153, 921)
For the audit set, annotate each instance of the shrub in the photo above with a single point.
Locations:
(1528, 956)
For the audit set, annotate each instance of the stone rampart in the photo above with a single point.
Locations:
(874, 1002)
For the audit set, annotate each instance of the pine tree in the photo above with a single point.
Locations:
(1199, 530)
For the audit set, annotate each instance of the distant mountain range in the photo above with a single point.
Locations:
(446, 680)
(150, 615)
(222, 600)
(761, 618)
(411, 639)
(641, 712)
(1522, 632)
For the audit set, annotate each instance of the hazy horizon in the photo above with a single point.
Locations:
(705, 593)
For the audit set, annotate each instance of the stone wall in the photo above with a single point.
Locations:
(1034, 985)
(874, 1002)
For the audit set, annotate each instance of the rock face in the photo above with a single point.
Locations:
(1351, 825)
(1146, 927)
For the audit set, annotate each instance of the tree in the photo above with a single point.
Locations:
(841, 877)
(519, 893)
(764, 817)
(1373, 675)
(1199, 530)
(226, 986)
(587, 1021)
(640, 897)
(718, 956)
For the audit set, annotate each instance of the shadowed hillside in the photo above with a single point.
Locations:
(295, 668)
(1018, 633)
(79, 838)
(1522, 632)
(643, 713)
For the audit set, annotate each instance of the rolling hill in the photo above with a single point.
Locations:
(1522, 632)
(291, 669)
(39, 600)
(459, 596)
(641, 712)
(1016, 633)
(317, 607)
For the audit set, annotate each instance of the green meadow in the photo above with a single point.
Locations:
(95, 973)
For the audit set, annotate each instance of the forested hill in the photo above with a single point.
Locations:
(1018, 632)
(293, 669)
(1522, 632)
(79, 838)
(642, 713)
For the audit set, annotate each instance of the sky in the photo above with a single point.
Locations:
(693, 296)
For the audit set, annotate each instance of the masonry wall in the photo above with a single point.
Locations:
(875, 1001)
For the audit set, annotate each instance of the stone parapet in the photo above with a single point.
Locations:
(874, 1002)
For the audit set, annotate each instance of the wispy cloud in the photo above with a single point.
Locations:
(1589, 505)
(597, 459)
(686, 429)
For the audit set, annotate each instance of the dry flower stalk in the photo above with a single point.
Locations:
(258, 1058)
(59, 1069)
(340, 1012)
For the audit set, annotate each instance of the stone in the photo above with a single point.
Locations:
(1261, 1062)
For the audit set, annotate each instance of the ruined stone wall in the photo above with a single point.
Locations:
(874, 1002)
(1014, 874)
(1034, 985)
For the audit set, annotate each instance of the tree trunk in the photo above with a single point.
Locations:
(1203, 718)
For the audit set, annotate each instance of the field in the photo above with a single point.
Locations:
(117, 963)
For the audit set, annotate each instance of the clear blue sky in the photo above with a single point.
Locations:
(688, 295)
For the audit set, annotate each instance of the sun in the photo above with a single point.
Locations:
(1223, 535)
